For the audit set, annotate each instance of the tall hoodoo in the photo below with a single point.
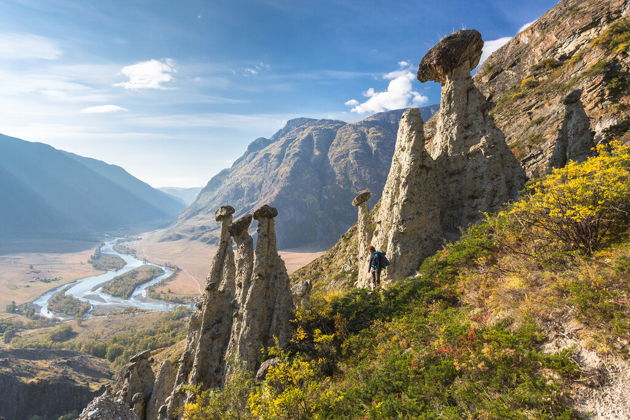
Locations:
(405, 222)
(268, 304)
(430, 196)
(575, 138)
(478, 172)
(365, 235)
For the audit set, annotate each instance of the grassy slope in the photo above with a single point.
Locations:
(475, 335)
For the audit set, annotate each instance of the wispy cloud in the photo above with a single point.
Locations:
(151, 74)
(256, 69)
(102, 109)
(25, 46)
(399, 93)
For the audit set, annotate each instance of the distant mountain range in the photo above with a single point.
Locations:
(51, 194)
(310, 170)
(185, 195)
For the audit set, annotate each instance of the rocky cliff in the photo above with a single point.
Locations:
(576, 46)
(48, 383)
(310, 169)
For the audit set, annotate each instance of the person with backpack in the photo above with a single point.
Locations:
(378, 261)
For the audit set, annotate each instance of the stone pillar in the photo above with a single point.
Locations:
(407, 227)
(575, 138)
(364, 234)
(268, 304)
(477, 171)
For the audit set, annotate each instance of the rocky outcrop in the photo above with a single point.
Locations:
(433, 192)
(247, 303)
(575, 138)
(48, 383)
(246, 307)
(311, 169)
(364, 232)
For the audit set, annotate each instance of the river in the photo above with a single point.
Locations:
(89, 289)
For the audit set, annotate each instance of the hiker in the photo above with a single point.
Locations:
(377, 262)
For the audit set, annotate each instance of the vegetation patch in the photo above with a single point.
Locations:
(61, 303)
(124, 284)
(616, 38)
(546, 65)
(106, 262)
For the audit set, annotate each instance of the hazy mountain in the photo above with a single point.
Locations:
(185, 195)
(310, 170)
(51, 194)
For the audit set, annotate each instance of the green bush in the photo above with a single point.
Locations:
(61, 333)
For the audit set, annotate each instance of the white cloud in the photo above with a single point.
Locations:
(102, 109)
(151, 74)
(491, 46)
(399, 93)
(256, 69)
(24, 46)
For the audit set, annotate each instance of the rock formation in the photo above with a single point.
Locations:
(364, 232)
(477, 170)
(246, 305)
(575, 138)
(429, 197)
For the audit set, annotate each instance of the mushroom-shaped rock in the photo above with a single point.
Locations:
(265, 212)
(140, 356)
(456, 50)
(241, 225)
(573, 97)
(223, 212)
(361, 198)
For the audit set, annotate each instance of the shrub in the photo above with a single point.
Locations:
(61, 333)
(616, 38)
(584, 205)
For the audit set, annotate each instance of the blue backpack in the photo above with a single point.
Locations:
(384, 260)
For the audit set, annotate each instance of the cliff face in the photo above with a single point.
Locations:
(577, 45)
(47, 383)
(310, 169)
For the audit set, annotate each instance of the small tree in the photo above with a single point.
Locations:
(9, 334)
(584, 205)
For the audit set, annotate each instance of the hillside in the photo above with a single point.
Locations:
(493, 326)
(311, 169)
(50, 194)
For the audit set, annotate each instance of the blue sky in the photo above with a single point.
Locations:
(173, 91)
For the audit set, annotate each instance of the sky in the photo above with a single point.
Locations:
(174, 91)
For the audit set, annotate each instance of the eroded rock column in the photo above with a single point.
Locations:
(575, 138)
(268, 304)
(406, 228)
(364, 233)
(476, 170)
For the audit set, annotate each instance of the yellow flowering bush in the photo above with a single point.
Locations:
(583, 204)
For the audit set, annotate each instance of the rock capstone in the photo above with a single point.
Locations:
(460, 50)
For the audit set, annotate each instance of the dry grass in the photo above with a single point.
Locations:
(194, 259)
(18, 280)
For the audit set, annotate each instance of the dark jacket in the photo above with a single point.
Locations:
(376, 261)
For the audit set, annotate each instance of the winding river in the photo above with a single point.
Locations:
(89, 289)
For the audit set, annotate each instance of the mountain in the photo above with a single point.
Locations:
(185, 195)
(310, 169)
(52, 194)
